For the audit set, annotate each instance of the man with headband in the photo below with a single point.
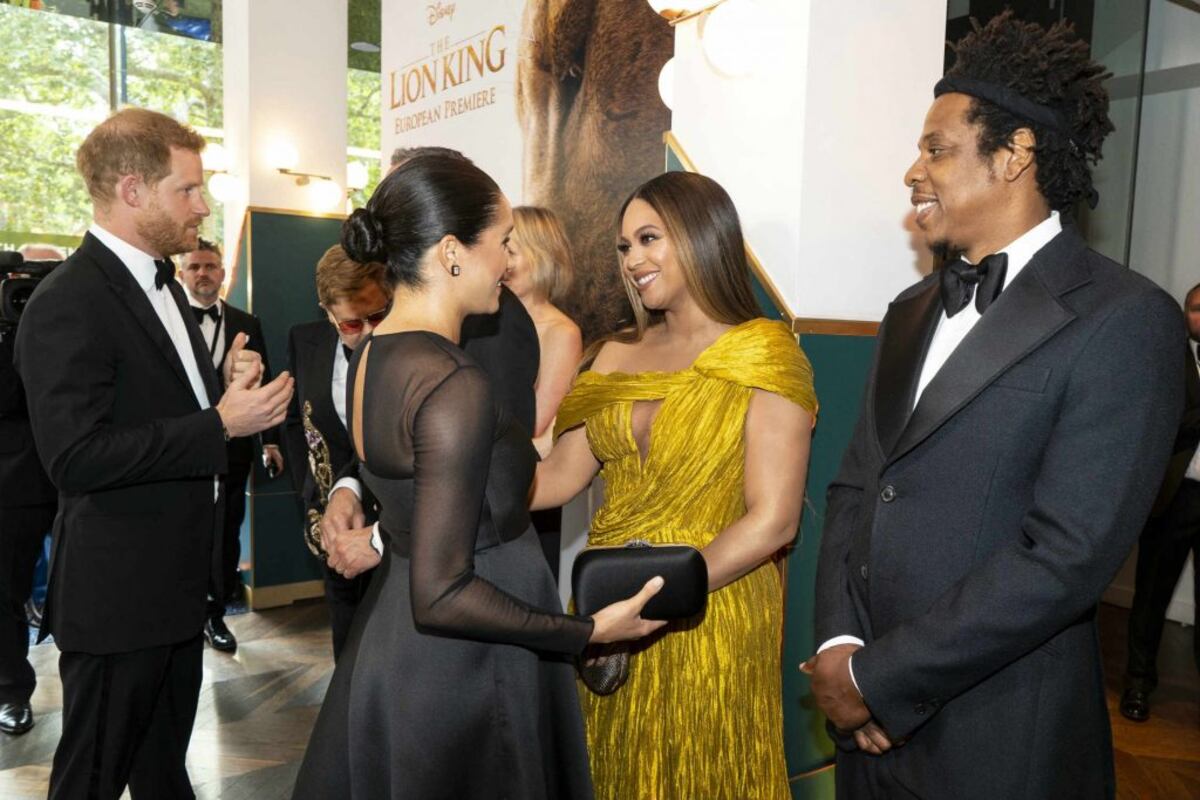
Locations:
(1015, 427)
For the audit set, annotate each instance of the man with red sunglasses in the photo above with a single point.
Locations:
(355, 299)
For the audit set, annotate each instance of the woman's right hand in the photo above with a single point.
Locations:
(622, 621)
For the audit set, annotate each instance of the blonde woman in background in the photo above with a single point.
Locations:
(539, 273)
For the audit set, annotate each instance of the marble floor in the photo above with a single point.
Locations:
(258, 706)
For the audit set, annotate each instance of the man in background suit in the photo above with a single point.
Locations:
(203, 274)
(28, 502)
(354, 299)
(1016, 422)
(1171, 533)
(131, 425)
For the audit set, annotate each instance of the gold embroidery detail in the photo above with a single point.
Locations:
(322, 472)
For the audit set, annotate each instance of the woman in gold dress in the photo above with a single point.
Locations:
(699, 419)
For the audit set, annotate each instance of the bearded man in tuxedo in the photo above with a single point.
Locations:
(132, 427)
(1017, 419)
(203, 273)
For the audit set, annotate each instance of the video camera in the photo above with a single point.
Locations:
(18, 279)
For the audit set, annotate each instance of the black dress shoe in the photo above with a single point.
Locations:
(15, 718)
(1135, 705)
(219, 636)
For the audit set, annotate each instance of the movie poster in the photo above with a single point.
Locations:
(556, 99)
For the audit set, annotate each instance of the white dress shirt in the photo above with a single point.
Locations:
(952, 330)
(141, 265)
(210, 329)
(341, 368)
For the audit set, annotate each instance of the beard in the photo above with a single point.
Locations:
(944, 250)
(166, 235)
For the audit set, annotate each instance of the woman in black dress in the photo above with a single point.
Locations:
(454, 682)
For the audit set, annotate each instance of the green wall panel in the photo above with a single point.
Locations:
(277, 259)
(840, 366)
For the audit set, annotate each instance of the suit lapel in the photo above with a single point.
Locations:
(199, 347)
(121, 281)
(906, 338)
(1024, 317)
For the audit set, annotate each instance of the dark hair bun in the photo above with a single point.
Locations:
(362, 237)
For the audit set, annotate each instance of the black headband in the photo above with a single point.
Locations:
(1008, 99)
(1013, 102)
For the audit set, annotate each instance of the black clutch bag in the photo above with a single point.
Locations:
(604, 575)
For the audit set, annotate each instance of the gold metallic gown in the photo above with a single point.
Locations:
(701, 716)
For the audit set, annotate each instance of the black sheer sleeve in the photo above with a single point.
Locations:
(452, 437)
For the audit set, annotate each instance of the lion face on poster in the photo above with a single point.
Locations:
(592, 125)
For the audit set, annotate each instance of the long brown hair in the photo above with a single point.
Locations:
(703, 227)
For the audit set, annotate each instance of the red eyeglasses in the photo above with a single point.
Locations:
(352, 326)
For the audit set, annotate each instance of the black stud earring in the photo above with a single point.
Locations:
(455, 270)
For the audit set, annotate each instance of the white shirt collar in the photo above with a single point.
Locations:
(1021, 251)
(139, 262)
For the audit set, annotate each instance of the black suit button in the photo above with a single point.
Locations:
(888, 494)
(863, 571)
(920, 709)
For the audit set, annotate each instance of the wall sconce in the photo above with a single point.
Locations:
(357, 176)
(679, 10)
(732, 35)
(284, 157)
(222, 186)
(666, 83)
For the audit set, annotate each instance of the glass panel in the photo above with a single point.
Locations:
(194, 19)
(54, 88)
(363, 135)
(1165, 240)
(1116, 32)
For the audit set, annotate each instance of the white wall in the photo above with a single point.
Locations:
(814, 144)
(285, 75)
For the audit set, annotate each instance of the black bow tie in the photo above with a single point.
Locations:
(164, 271)
(960, 279)
(211, 311)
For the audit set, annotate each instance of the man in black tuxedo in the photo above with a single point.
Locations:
(131, 425)
(28, 502)
(355, 299)
(203, 274)
(1172, 532)
(1017, 418)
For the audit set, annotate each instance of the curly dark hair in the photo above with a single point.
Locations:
(1052, 68)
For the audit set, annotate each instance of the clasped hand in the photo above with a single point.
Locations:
(346, 537)
(839, 700)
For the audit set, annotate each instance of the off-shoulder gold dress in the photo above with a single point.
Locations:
(700, 717)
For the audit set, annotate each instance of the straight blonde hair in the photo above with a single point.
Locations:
(541, 235)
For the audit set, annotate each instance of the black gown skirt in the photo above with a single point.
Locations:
(456, 680)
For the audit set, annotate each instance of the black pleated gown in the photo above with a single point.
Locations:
(455, 681)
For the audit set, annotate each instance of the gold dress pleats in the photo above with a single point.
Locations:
(700, 717)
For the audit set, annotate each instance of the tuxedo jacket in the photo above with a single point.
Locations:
(241, 449)
(312, 347)
(968, 540)
(23, 482)
(505, 345)
(1186, 440)
(120, 433)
